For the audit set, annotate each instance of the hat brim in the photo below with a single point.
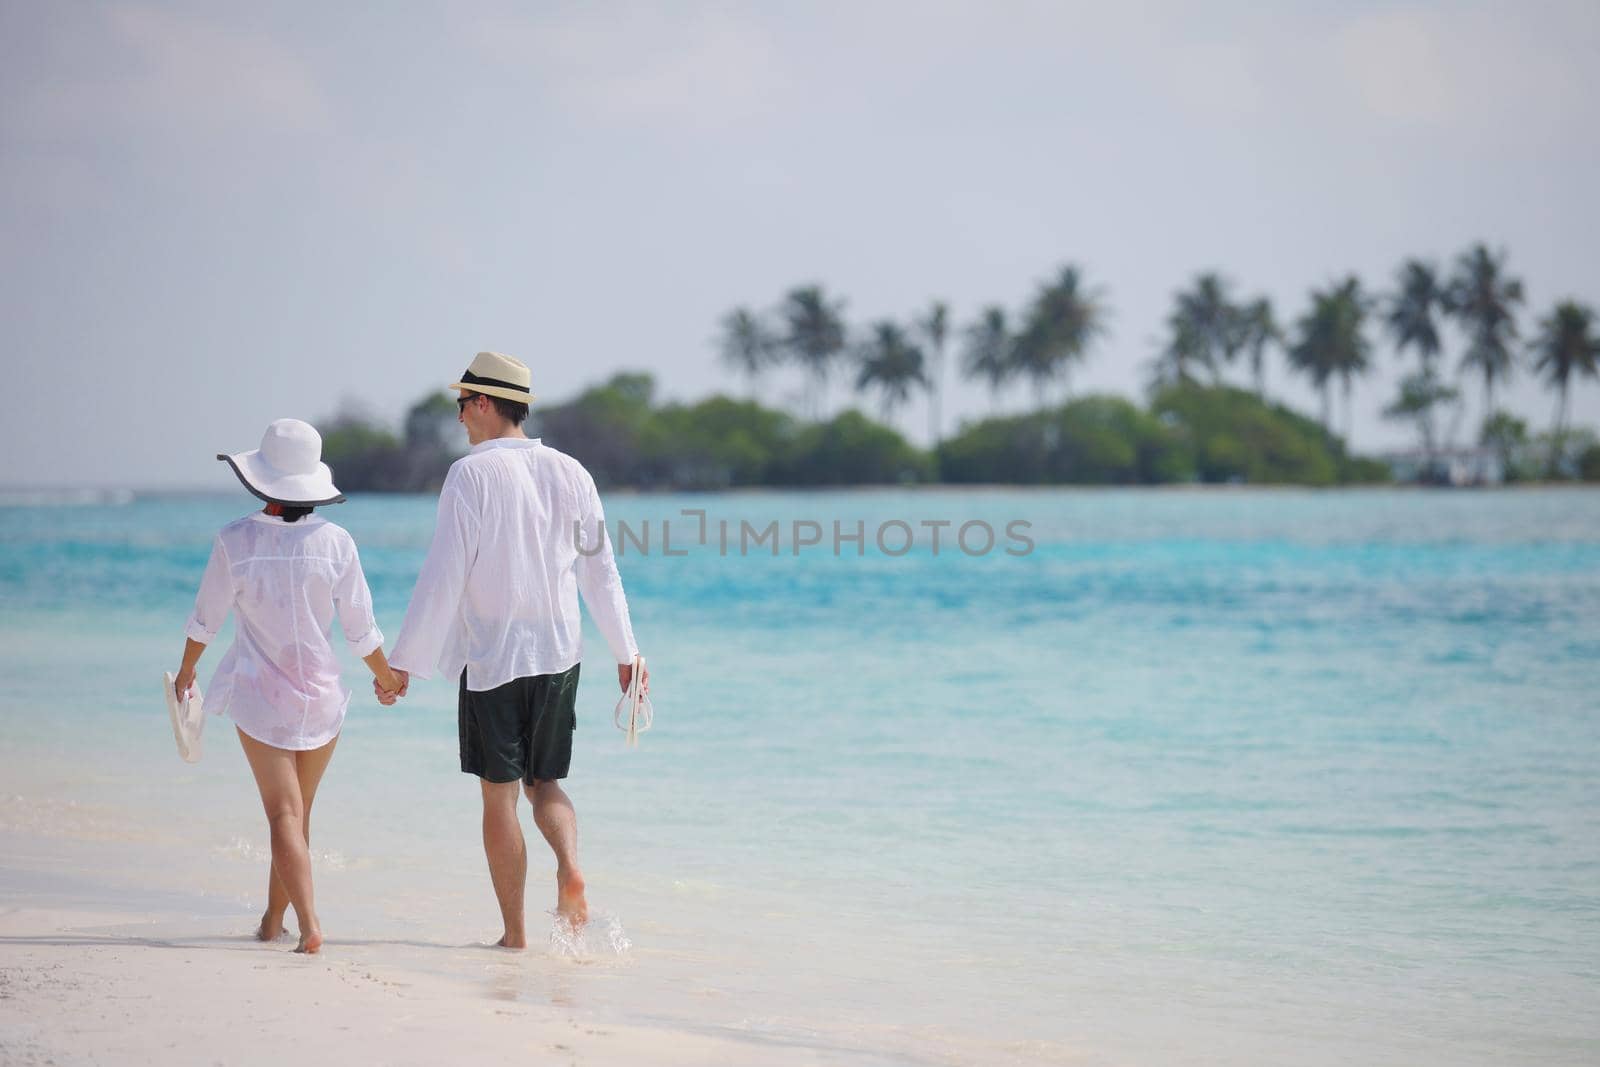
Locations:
(494, 390)
(291, 490)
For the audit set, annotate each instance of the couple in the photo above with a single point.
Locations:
(496, 603)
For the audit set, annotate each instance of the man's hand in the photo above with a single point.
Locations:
(625, 675)
(387, 697)
(184, 682)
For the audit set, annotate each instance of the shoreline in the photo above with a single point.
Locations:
(81, 985)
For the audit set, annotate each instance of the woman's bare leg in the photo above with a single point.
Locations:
(309, 767)
(277, 777)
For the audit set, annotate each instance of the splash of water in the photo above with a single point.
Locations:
(601, 936)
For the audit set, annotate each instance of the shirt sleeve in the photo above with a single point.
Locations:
(353, 599)
(215, 600)
(437, 596)
(598, 579)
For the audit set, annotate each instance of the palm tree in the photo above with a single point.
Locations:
(815, 336)
(1484, 299)
(1330, 341)
(1414, 310)
(1412, 319)
(1185, 351)
(1421, 393)
(1258, 328)
(1063, 321)
(935, 327)
(1565, 347)
(747, 345)
(890, 361)
(987, 351)
(1205, 326)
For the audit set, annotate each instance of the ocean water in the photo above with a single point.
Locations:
(1198, 777)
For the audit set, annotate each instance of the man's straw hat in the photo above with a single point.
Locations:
(496, 374)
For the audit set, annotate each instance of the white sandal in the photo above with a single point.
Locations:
(640, 713)
(188, 718)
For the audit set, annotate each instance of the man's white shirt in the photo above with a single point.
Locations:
(498, 593)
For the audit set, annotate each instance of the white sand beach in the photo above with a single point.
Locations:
(87, 987)
(126, 938)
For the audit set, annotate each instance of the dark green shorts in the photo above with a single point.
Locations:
(520, 730)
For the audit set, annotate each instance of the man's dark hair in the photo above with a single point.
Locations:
(509, 409)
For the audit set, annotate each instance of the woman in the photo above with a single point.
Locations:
(286, 573)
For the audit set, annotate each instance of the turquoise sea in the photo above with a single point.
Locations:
(1203, 777)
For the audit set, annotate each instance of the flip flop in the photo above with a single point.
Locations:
(188, 718)
(640, 714)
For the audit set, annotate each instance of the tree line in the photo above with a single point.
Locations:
(1475, 304)
(625, 436)
(1195, 425)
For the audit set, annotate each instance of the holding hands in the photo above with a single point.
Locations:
(388, 683)
(390, 689)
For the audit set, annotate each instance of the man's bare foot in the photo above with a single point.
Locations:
(570, 902)
(310, 942)
(271, 927)
(513, 941)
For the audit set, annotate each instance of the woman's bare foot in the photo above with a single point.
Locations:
(271, 927)
(310, 941)
(570, 902)
(518, 941)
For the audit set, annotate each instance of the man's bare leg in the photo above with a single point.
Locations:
(309, 768)
(276, 778)
(508, 857)
(558, 822)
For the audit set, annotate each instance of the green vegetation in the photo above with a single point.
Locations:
(1094, 440)
(366, 457)
(1190, 433)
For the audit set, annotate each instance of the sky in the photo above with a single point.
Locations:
(214, 215)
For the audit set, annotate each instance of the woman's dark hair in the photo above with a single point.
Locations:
(509, 409)
(293, 513)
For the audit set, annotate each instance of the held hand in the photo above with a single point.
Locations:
(401, 682)
(625, 676)
(184, 682)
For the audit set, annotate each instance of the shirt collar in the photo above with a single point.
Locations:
(505, 442)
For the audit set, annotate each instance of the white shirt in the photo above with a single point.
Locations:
(498, 593)
(285, 580)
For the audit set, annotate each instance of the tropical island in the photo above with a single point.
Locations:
(1195, 425)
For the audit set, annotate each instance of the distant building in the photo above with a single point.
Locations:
(1451, 466)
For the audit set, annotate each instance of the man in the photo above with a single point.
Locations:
(497, 604)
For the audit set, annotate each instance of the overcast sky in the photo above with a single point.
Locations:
(215, 215)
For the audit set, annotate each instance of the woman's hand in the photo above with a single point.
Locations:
(184, 682)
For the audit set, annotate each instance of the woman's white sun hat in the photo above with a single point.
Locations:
(287, 469)
(496, 374)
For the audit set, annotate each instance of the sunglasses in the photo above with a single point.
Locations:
(463, 401)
